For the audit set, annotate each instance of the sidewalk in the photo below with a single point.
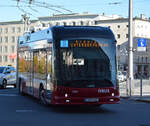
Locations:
(136, 91)
(138, 98)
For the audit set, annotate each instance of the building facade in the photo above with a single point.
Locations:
(141, 58)
(9, 32)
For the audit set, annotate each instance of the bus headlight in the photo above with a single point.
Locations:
(113, 94)
(66, 95)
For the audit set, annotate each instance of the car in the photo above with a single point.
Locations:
(7, 76)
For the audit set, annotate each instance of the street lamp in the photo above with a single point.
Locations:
(130, 45)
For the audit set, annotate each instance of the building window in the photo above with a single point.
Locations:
(73, 23)
(0, 58)
(1, 49)
(43, 25)
(118, 36)
(81, 23)
(1, 30)
(146, 59)
(12, 60)
(142, 59)
(6, 49)
(6, 39)
(50, 24)
(5, 58)
(57, 23)
(6, 30)
(127, 35)
(118, 26)
(64, 23)
(12, 49)
(138, 59)
(127, 26)
(13, 39)
(13, 29)
(87, 23)
(1, 39)
(19, 30)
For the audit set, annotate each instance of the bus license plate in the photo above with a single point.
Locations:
(91, 100)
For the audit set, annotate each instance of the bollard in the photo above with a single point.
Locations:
(130, 86)
(127, 88)
(141, 86)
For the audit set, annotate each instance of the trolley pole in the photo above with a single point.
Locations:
(25, 20)
(130, 65)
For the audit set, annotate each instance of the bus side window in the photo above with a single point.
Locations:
(49, 65)
(49, 70)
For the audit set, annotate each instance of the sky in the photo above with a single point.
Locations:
(10, 12)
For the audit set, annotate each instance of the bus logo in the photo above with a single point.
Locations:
(103, 91)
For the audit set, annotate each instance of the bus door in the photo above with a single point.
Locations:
(39, 70)
(29, 79)
(49, 84)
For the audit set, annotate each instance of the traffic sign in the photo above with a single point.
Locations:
(141, 44)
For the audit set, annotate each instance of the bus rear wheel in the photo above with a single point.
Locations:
(4, 83)
(21, 88)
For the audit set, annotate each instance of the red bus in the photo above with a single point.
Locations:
(69, 65)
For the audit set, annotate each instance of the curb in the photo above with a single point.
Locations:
(136, 99)
(143, 100)
(124, 97)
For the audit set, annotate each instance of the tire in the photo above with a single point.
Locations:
(21, 89)
(41, 95)
(4, 84)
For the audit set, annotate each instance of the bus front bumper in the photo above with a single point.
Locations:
(57, 100)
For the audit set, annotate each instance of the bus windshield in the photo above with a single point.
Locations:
(83, 64)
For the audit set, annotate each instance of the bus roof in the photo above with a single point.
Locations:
(82, 31)
(59, 32)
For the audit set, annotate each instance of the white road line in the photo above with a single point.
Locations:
(10, 86)
(23, 111)
(9, 95)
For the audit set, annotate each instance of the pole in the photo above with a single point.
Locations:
(141, 84)
(25, 20)
(130, 70)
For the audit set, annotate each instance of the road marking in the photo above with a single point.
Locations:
(23, 111)
(9, 95)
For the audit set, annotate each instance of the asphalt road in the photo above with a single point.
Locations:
(16, 110)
